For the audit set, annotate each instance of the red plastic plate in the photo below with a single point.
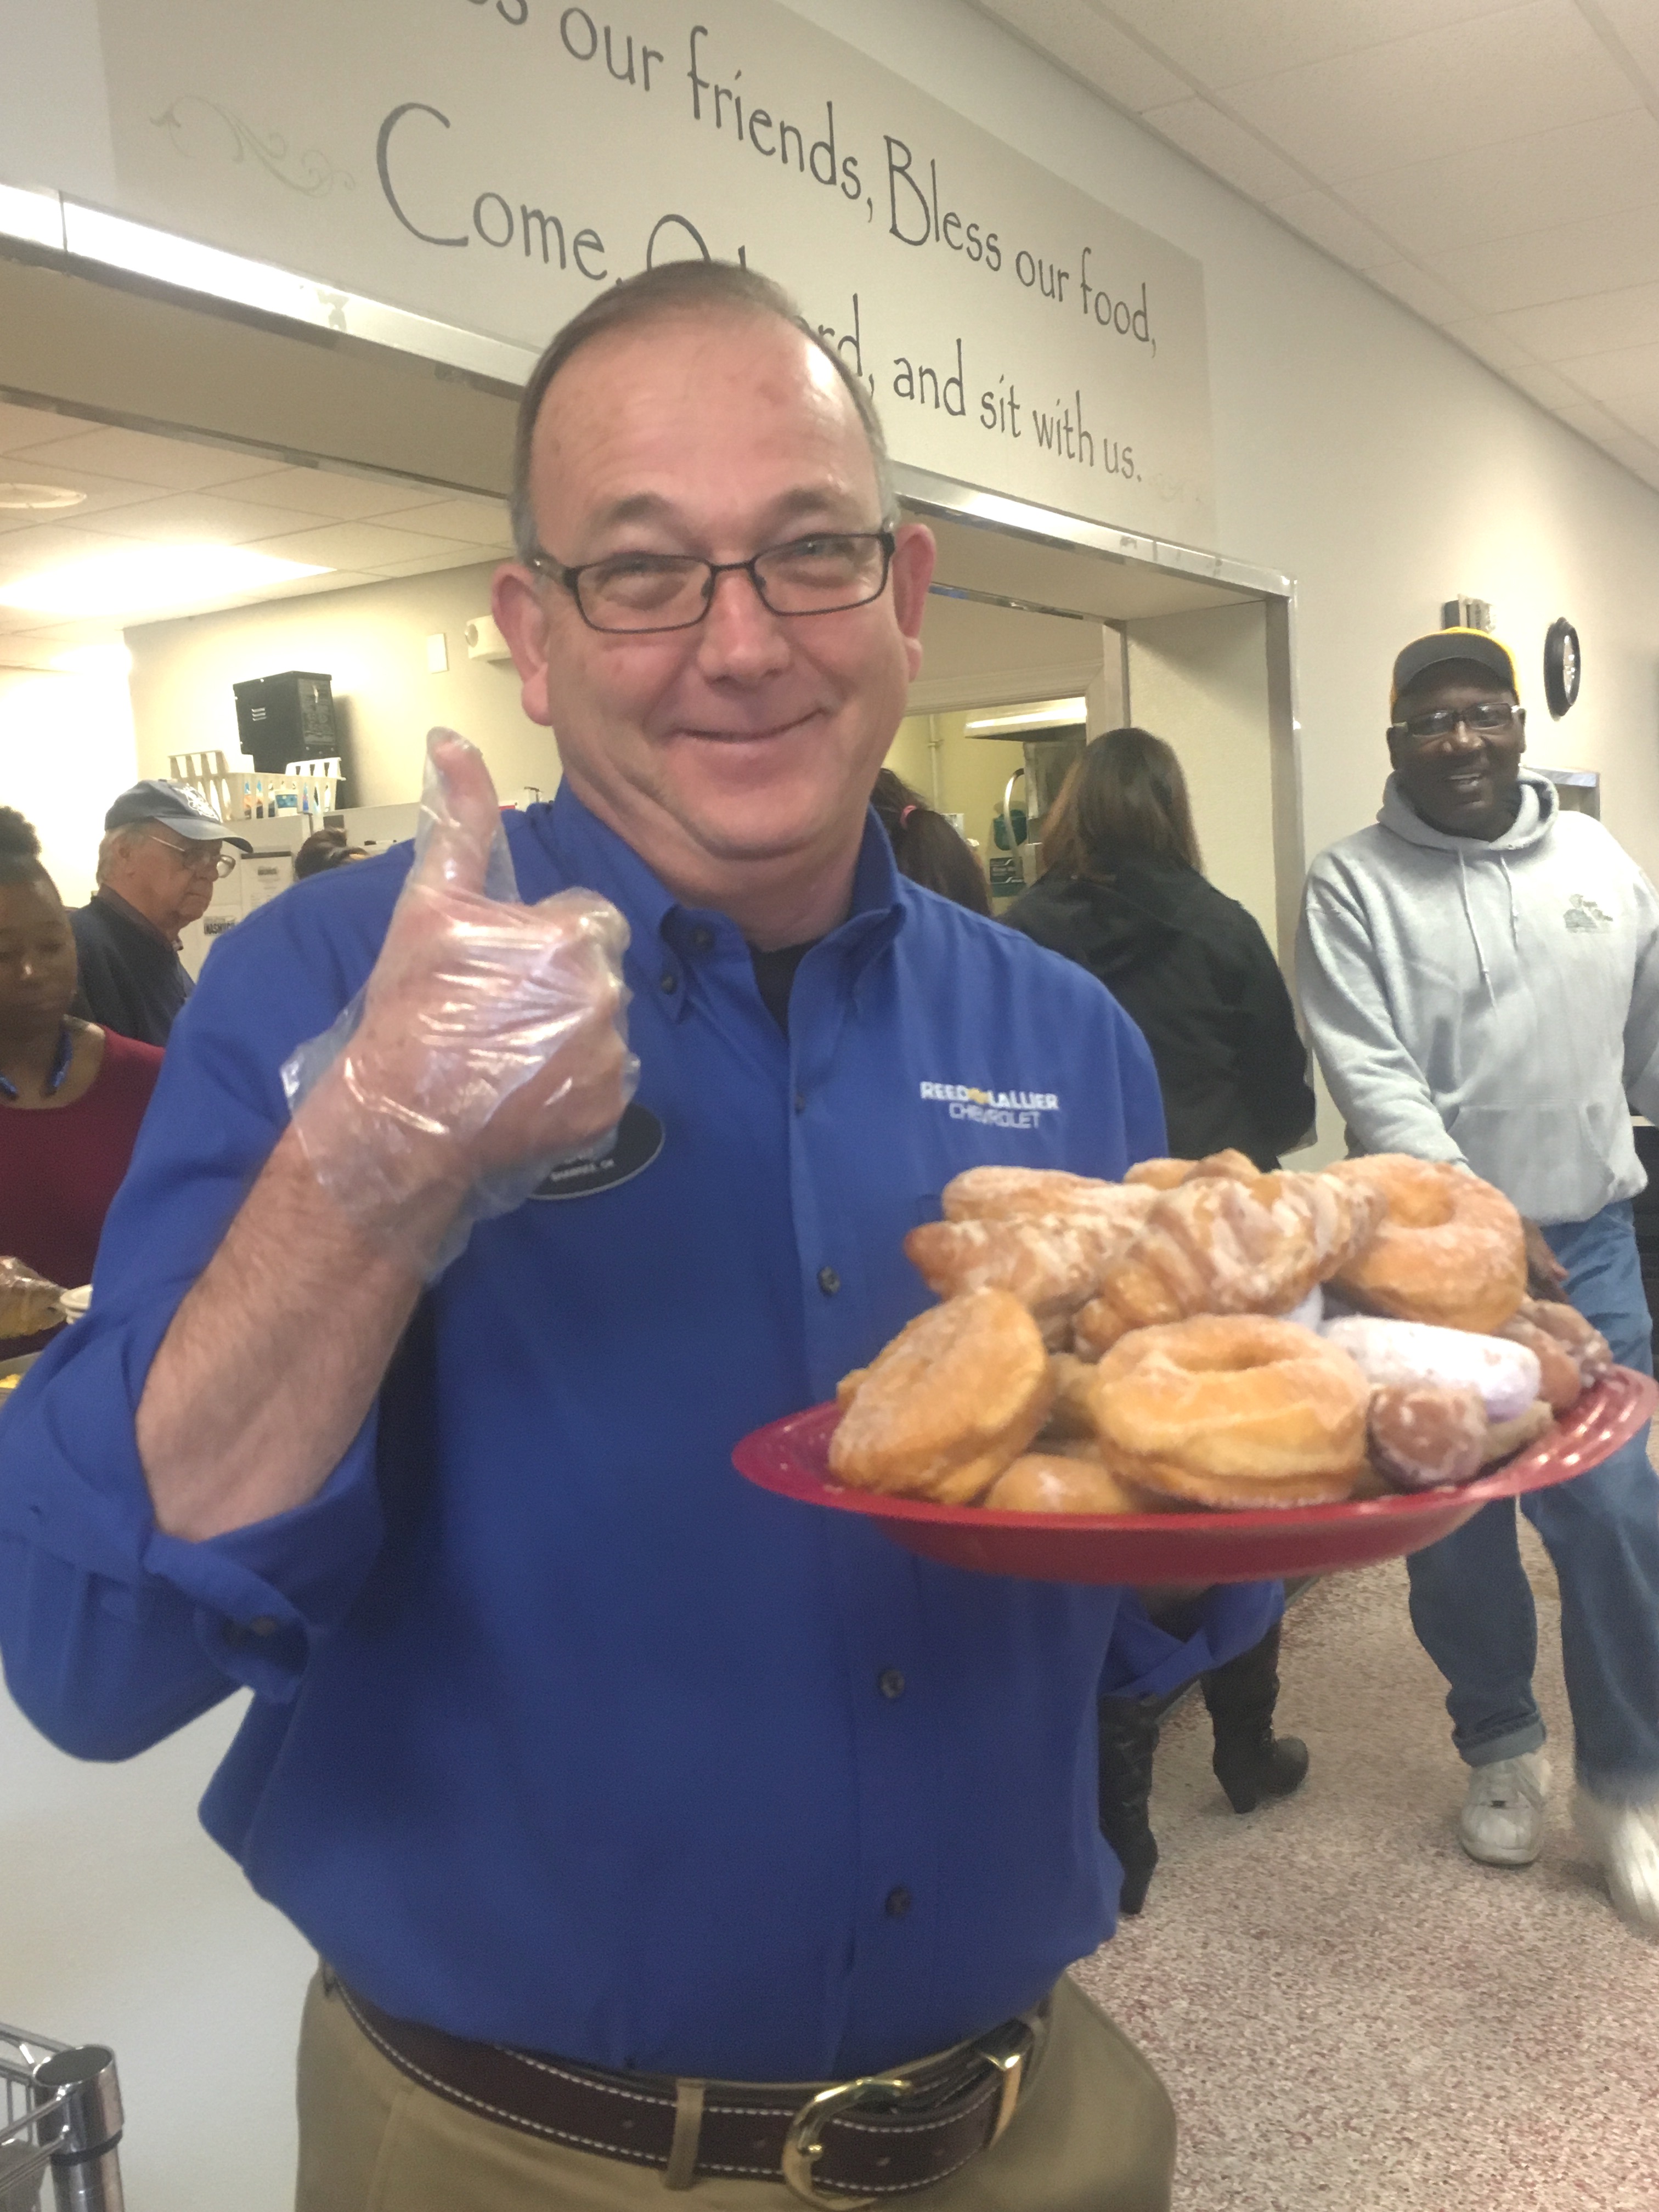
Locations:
(790, 1457)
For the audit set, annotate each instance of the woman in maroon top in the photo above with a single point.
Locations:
(72, 1095)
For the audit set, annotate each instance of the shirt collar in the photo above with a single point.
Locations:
(130, 913)
(583, 850)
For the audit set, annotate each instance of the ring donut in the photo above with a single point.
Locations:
(1231, 1410)
(1449, 1249)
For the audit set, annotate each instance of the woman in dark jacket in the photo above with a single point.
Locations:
(1125, 895)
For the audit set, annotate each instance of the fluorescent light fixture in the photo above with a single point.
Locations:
(94, 660)
(151, 580)
(38, 498)
(1057, 714)
(36, 217)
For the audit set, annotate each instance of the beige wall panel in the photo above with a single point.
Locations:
(371, 641)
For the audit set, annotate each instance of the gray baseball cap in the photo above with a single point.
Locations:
(176, 807)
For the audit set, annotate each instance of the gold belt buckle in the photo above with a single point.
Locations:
(1006, 2049)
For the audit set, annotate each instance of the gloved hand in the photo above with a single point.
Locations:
(488, 1044)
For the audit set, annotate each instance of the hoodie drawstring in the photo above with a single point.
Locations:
(1469, 916)
(1514, 917)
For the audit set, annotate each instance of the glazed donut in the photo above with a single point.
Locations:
(955, 1397)
(1423, 1435)
(1560, 1382)
(1449, 1249)
(1217, 1246)
(1050, 1262)
(1233, 1410)
(1062, 1482)
(1069, 1415)
(1403, 1353)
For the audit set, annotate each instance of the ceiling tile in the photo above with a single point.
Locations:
(170, 464)
(1536, 67)
(1423, 294)
(1572, 261)
(428, 565)
(334, 494)
(1224, 148)
(1604, 322)
(1488, 343)
(53, 546)
(368, 545)
(206, 517)
(1546, 385)
(1328, 223)
(1079, 36)
(1635, 25)
(28, 426)
(1223, 42)
(1631, 374)
(1469, 196)
(476, 522)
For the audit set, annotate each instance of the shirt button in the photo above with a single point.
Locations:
(670, 981)
(702, 940)
(898, 1902)
(828, 1281)
(891, 1683)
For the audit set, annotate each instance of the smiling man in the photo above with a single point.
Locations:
(1481, 976)
(615, 1792)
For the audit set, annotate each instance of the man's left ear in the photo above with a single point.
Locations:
(914, 554)
(516, 601)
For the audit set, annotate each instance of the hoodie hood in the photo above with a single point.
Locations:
(1538, 807)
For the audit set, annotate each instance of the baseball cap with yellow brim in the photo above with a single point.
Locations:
(1444, 649)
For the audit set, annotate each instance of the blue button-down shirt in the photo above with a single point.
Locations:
(563, 1735)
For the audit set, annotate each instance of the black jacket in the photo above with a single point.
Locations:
(1195, 972)
(132, 979)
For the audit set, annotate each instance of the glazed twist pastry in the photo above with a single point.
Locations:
(1051, 1263)
(1214, 1245)
(1166, 1174)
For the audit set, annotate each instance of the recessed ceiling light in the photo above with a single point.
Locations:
(1058, 713)
(37, 498)
(151, 580)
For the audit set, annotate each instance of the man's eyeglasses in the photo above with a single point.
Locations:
(643, 591)
(1491, 718)
(202, 863)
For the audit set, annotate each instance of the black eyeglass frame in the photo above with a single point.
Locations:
(1460, 721)
(544, 565)
(223, 866)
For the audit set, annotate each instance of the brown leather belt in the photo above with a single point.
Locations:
(863, 2140)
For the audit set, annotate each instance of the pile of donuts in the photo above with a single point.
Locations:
(1201, 1335)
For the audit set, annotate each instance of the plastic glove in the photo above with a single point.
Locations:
(488, 1044)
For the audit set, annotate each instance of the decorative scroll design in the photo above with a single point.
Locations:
(317, 176)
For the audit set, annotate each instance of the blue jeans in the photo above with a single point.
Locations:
(1471, 1602)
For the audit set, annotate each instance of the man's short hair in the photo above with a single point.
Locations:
(678, 287)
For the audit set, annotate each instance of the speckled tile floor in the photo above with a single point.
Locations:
(1350, 2013)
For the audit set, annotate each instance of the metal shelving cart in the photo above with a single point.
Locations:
(62, 2115)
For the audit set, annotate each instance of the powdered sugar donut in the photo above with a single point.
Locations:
(1390, 1352)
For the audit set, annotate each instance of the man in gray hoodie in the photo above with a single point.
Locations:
(1481, 976)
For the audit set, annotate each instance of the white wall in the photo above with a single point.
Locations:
(372, 641)
(1356, 449)
(66, 749)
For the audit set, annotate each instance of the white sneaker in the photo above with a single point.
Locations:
(1502, 1818)
(1625, 1841)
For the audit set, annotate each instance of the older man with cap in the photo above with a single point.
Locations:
(658, 1832)
(163, 848)
(1480, 975)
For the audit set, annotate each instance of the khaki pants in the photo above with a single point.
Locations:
(1094, 2132)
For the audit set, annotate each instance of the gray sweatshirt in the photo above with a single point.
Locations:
(1493, 1003)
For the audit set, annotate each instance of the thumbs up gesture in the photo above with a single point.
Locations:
(487, 1044)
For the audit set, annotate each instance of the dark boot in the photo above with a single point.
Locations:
(1129, 1738)
(1250, 1762)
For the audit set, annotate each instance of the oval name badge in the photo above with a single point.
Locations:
(638, 1141)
